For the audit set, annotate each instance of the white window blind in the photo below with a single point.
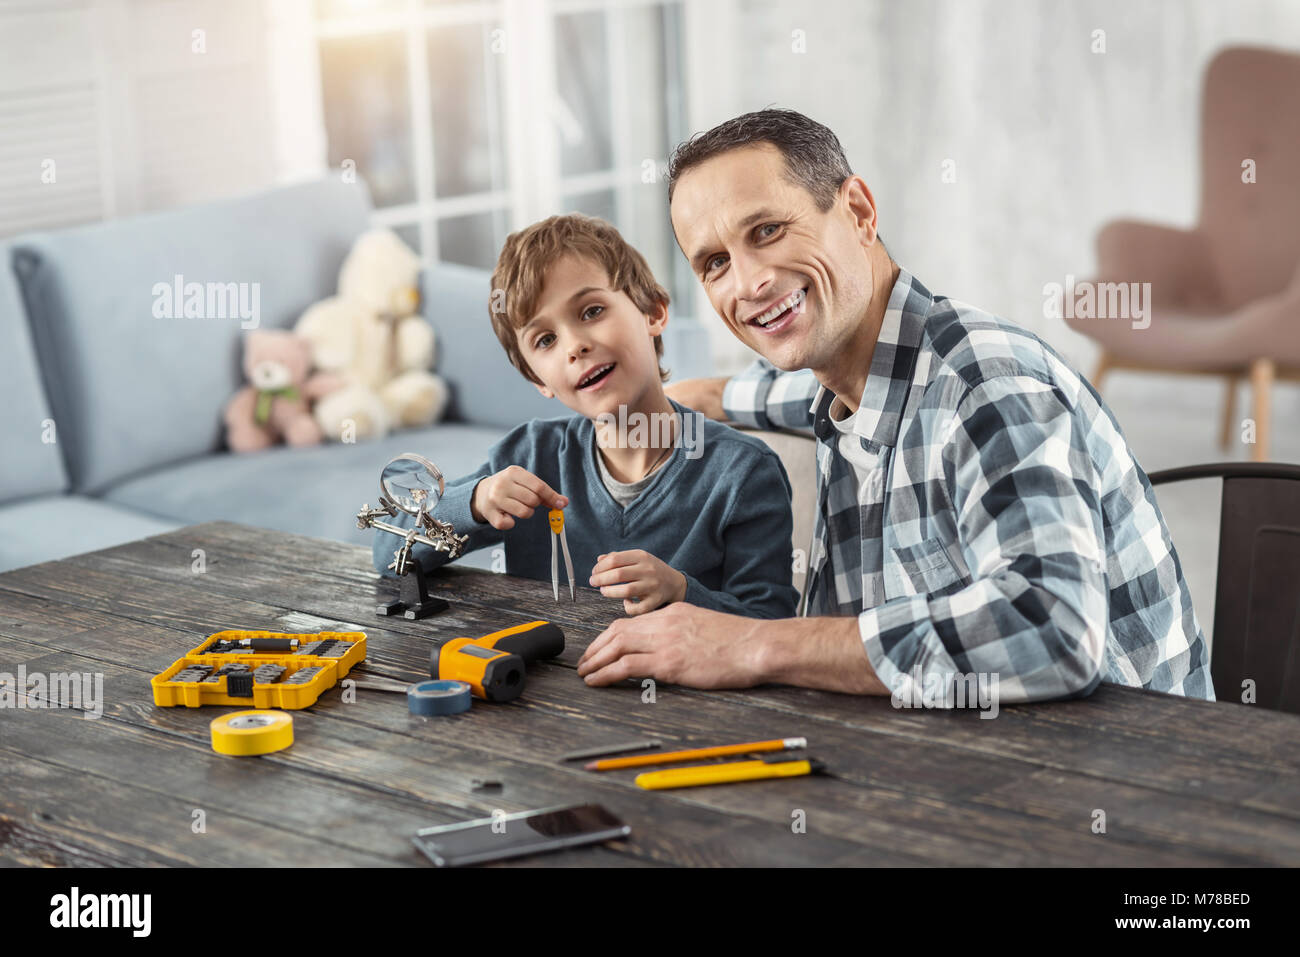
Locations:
(112, 107)
(51, 123)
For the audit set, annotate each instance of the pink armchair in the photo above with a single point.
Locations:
(1225, 295)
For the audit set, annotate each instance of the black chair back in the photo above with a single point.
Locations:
(1257, 603)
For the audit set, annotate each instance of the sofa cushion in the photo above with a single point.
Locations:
(485, 388)
(50, 527)
(798, 453)
(133, 383)
(312, 491)
(31, 463)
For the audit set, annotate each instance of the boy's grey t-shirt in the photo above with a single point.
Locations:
(717, 511)
(624, 493)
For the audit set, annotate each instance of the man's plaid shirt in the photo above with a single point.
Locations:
(1005, 526)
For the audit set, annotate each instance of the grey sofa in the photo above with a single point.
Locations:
(110, 417)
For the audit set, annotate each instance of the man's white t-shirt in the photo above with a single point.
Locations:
(849, 444)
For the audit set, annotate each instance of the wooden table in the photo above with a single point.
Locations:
(1181, 782)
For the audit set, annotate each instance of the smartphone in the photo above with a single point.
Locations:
(518, 835)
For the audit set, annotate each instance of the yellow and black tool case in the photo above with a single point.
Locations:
(259, 669)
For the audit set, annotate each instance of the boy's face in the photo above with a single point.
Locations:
(591, 347)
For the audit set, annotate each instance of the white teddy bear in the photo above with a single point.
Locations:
(370, 337)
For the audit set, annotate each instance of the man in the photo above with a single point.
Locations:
(979, 511)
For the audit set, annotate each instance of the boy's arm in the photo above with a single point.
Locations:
(764, 397)
(757, 558)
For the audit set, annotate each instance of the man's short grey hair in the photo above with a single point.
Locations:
(813, 156)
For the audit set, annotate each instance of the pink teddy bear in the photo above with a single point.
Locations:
(277, 403)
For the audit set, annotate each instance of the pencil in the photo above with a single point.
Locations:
(640, 760)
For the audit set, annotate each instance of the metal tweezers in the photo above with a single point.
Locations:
(372, 681)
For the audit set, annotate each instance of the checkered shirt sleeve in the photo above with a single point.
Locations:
(764, 397)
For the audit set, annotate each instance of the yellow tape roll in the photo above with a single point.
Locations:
(252, 732)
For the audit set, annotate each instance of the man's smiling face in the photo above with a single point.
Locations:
(791, 282)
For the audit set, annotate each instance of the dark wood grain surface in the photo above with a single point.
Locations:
(1181, 783)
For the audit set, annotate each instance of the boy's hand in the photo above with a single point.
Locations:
(641, 580)
(510, 494)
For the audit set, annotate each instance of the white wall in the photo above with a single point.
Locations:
(1049, 139)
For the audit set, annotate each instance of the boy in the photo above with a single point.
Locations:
(647, 519)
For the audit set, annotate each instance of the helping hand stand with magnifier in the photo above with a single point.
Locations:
(413, 484)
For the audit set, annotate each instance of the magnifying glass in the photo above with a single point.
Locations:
(412, 483)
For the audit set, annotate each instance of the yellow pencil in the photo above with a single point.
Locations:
(668, 757)
(726, 773)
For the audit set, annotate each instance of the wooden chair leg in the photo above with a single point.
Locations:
(1262, 373)
(1229, 411)
(1104, 363)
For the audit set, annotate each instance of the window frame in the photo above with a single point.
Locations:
(535, 187)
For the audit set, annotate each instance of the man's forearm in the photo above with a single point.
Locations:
(702, 395)
(823, 653)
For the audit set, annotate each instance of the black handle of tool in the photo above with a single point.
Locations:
(272, 644)
(543, 640)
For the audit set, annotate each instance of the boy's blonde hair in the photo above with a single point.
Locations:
(527, 255)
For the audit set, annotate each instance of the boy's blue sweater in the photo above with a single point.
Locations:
(721, 519)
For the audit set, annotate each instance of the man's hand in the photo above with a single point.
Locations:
(681, 644)
(512, 493)
(641, 580)
(703, 395)
(699, 648)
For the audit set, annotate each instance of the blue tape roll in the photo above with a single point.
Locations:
(438, 697)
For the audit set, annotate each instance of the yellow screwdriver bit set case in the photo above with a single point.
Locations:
(259, 669)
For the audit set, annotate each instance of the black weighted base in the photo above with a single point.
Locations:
(413, 600)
